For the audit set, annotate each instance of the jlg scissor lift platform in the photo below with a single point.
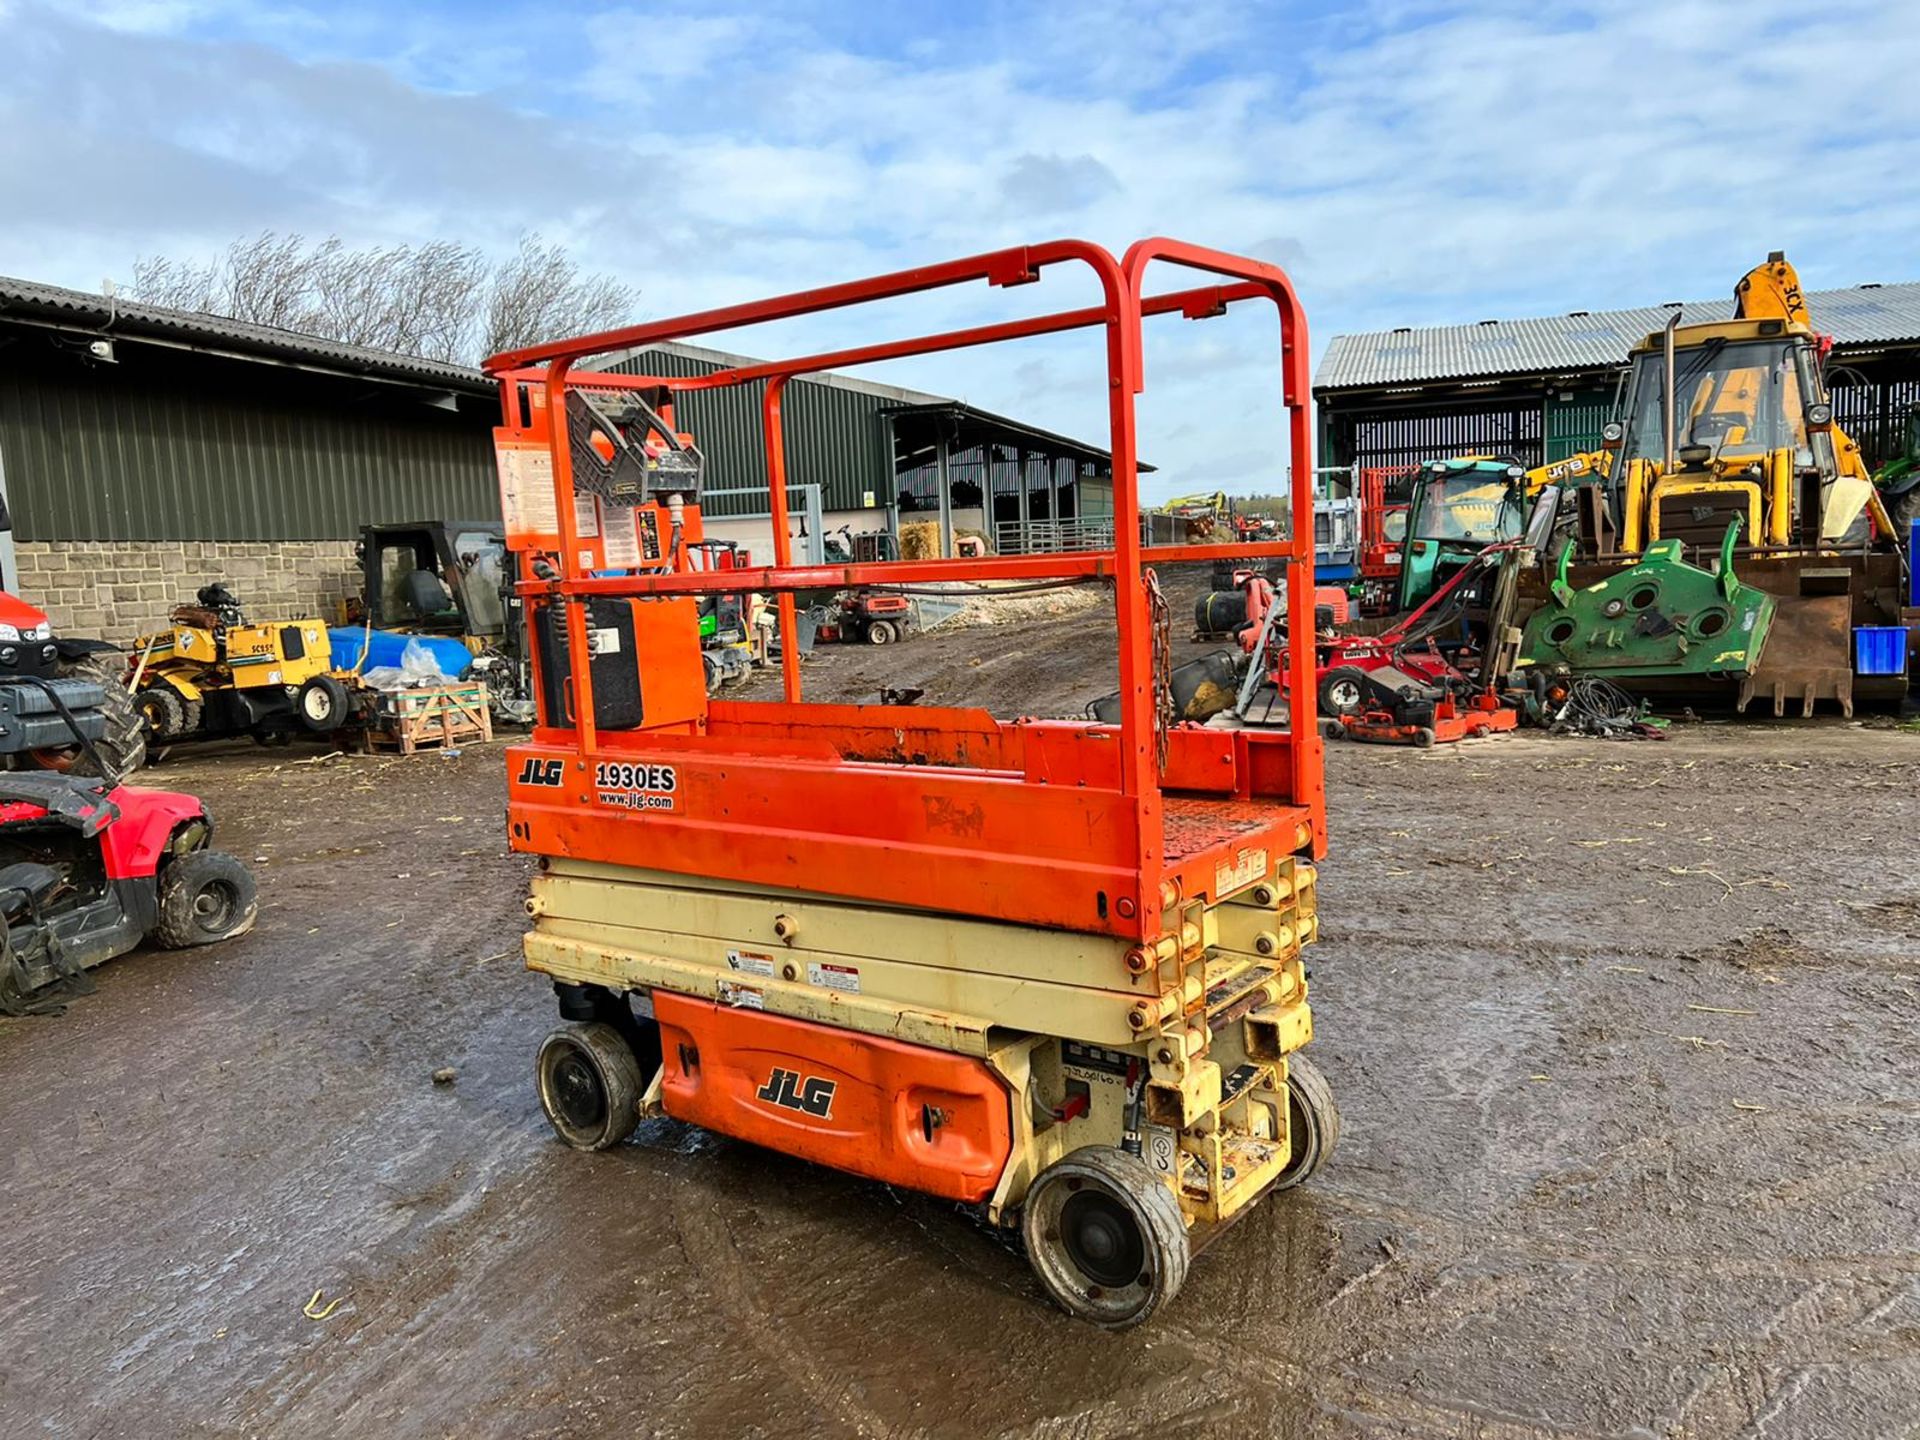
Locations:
(1050, 969)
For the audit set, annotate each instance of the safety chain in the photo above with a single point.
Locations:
(1160, 627)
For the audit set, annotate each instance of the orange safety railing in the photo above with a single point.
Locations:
(987, 794)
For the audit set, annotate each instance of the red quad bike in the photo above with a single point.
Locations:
(90, 869)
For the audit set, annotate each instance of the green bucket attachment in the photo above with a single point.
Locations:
(1660, 616)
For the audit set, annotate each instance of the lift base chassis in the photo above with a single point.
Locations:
(985, 1051)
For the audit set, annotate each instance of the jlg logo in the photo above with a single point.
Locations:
(790, 1091)
(542, 772)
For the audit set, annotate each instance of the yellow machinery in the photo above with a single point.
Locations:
(211, 673)
(1724, 425)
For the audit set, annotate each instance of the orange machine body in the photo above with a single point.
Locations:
(907, 1115)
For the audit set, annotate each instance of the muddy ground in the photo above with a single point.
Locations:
(1626, 1038)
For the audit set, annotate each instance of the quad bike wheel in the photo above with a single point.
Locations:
(205, 896)
(1105, 1236)
(590, 1085)
(1343, 690)
(122, 748)
(1313, 1121)
(323, 704)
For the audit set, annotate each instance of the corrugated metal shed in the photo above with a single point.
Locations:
(29, 302)
(201, 429)
(838, 435)
(187, 455)
(1582, 340)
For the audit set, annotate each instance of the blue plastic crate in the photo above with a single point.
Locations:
(1880, 649)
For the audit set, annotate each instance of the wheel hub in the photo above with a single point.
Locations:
(1102, 1239)
(577, 1094)
(214, 906)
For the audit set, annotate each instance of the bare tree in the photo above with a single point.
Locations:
(441, 300)
(540, 294)
(181, 284)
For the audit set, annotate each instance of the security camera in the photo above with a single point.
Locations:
(101, 350)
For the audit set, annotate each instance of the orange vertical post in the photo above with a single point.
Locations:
(782, 541)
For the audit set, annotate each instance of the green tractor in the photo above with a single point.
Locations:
(1456, 509)
(1899, 479)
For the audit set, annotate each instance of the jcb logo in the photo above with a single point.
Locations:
(790, 1091)
(542, 772)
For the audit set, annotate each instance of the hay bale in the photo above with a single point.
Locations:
(920, 540)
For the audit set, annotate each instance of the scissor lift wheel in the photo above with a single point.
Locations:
(1105, 1236)
(1313, 1120)
(589, 1085)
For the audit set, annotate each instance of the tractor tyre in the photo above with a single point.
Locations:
(323, 705)
(1313, 1121)
(1343, 690)
(1105, 1236)
(590, 1085)
(205, 896)
(881, 632)
(121, 749)
(1903, 510)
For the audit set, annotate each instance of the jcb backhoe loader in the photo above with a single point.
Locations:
(1723, 444)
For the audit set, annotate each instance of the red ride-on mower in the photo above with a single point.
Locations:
(1431, 676)
(1398, 708)
(88, 870)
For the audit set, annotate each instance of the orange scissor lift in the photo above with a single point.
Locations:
(1051, 969)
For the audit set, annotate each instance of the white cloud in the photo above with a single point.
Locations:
(1407, 162)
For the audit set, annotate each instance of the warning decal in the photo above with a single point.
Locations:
(527, 502)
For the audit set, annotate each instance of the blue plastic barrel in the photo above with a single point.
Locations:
(385, 647)
(1880, 649)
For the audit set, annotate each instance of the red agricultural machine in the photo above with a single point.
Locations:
(1049, 969)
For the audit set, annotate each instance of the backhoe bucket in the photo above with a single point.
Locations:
(1806, 656)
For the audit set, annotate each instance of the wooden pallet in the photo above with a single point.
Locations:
(426, 717)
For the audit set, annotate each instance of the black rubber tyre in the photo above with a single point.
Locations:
(205, 896)
(1313, 1121)
(123, 748)
(711, 667)
(162, 712)
(590, 1085)
(1343, 690)
(1424, 738)
(322, 704)
(881, 632)
(1105, 1236)
(1903, 510)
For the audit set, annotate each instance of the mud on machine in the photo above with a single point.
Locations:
(1049, 969)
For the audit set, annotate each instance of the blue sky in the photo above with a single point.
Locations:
(1408, 161)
